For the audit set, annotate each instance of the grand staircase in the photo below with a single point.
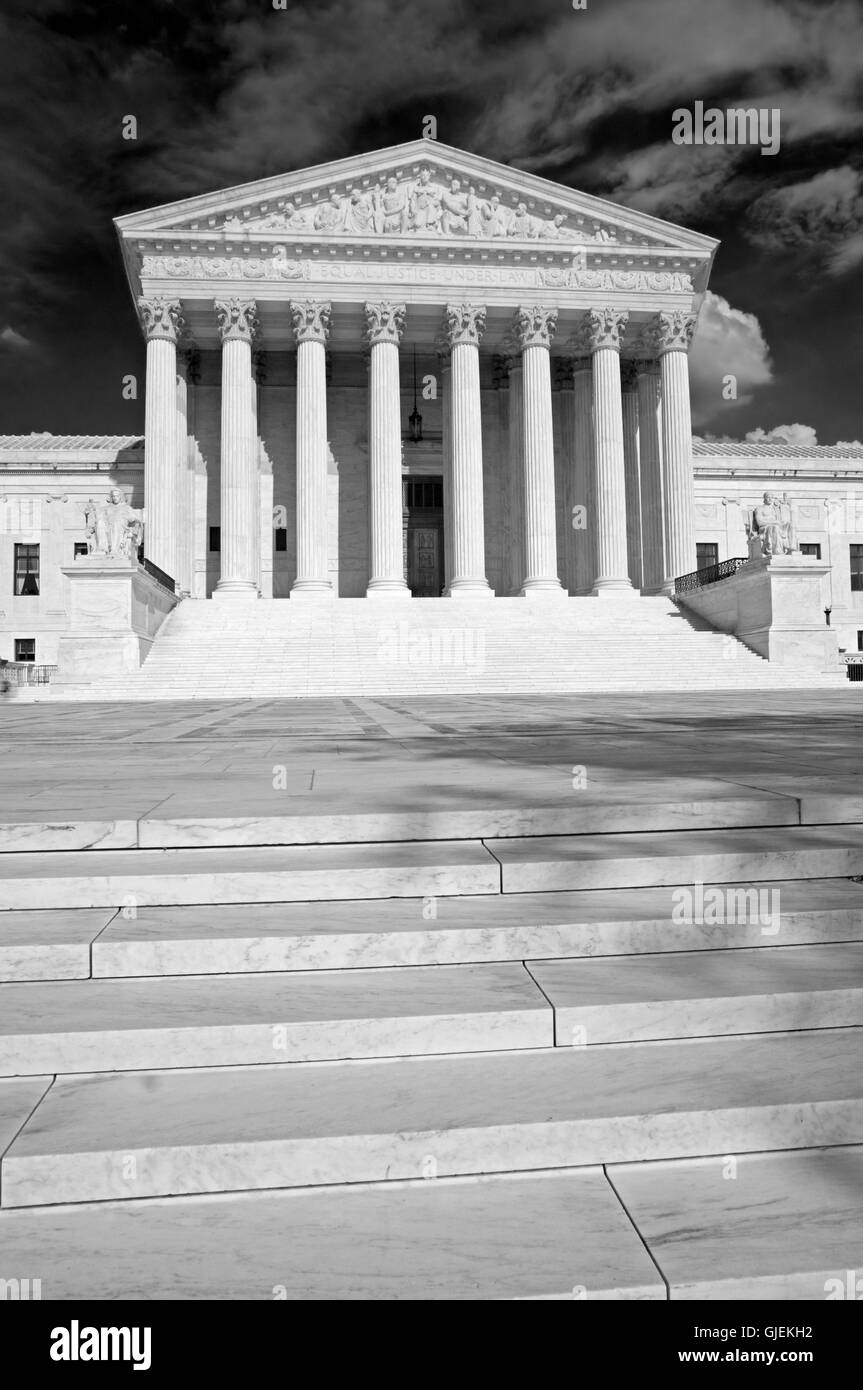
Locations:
(521, 1066)
(377, 647)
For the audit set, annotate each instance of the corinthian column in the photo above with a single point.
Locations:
(534, 330)
(601, 335)
(162, 324)
(670, 335)
(311, 326)
(444, 370)
(582, 485)
(629, 389)
(239, 488)
(650, 458)
(384, 327)
(464, 325)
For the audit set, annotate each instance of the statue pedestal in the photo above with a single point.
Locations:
(115, 610)
(775, 604)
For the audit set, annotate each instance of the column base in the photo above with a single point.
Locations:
(468, 588)
(605, 586)
(312, 590)
(543, 590)
(388, 588)
(237, 589)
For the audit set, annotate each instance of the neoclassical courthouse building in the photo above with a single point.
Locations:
(412, 373)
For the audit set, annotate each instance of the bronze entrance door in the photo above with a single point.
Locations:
(424, 539)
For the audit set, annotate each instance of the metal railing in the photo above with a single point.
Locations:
(26, 673)
(698, 579)
(153, 570)
(854, 666)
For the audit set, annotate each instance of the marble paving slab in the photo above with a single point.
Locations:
(703, 994)
(771, 1226)
(19, 1097)
(49, 945)
(369, 1121)
(548, 1236)
(711, 856)
(146, 877)
(235, 938)
(77, 1026)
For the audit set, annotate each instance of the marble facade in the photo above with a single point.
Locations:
(293, 325)
(285, 321)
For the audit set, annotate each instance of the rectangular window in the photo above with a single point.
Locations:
(811, 548)
(281, 538)
(26, 570)
(857, 567)
(25, 648)
(706, 554)
(215, 538)
(80, 548)
(860, 639)
(424, 493)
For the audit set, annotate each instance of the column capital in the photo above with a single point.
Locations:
(238, 319)
(534, 326)
(601, 328)
(385, 322)
(670, 331)
(310, 320)
(629, 374)
(161, 318)
(464, 323)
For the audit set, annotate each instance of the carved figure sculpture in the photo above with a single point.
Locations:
(113, 528)
(787, 530)
(766, 522)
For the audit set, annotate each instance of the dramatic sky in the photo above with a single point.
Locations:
(230, 90)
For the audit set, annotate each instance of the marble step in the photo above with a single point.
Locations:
(142, 877)
(752, 1226)
(49, 945)
(148, 877)
(123, 1025)
(401, 932)
(254, 817)
(536, 1236)
(542, 863)
(696, 994)
(149, 1134)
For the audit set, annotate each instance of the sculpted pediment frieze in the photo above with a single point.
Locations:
(428, 203)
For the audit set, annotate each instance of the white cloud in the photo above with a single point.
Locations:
(849, 444)
(728, 343)
(802, 435)
(14, 342)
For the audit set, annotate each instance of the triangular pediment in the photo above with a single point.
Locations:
(422, 191)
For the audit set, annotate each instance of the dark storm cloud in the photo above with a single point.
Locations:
(236, 90)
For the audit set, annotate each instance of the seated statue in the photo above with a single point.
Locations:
(113, 528)
(765, 537)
